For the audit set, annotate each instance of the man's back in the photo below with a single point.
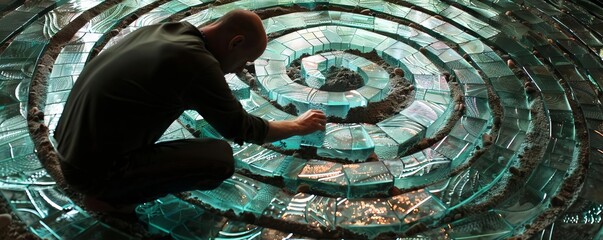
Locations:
(127, 96)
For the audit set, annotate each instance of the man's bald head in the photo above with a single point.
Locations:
(237, 34)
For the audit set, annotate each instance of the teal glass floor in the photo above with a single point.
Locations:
(503, 136)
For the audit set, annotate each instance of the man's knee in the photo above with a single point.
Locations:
(225, 158)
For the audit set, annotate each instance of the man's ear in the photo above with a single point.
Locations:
(236, 41)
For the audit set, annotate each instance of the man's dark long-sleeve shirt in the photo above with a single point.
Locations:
(126, 97)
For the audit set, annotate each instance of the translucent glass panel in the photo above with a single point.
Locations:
(368, 179)
(237, 193)
(239, 88)
(312, 210)
(324, 177)
(16, 20)
(64, 225)
(522, 206)
(420, 168)
(260, 161)
(385, 146)
(346, 141)
(489, 225)
(403, 130)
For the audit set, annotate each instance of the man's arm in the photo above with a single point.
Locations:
(309, 122)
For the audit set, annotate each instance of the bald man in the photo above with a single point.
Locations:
(126, 97)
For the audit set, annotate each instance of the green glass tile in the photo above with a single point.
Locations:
(458, 64)
(239, 88)
(402, 129)
(562, 124)
(453, 33)
(475, 90)
(325, 177)
(559, 153)
(485, 57)
(510, 138)
(102, 231)
(373, 94)
(522, 206)
(369, 216)
(468, 75)
(261, 201)
(406, 32)
(398, 51)
(16, 147)
(175, 132)
(510, 99)
(456, 188)
(469, 129)
(71, 57)
(423, 39)
(488, 225)
(278, 205)
(434, 6)
(14, 165)
(431, 82)
(270, 83)
(556, 101)
(450, 56)
(495, 69)
(478, 108)
(418, 63)
(437, 48)
(416, 16)
(368, 179)
(434, 96)
(544, 79)
(314, 18)
(386, 26)
(515, 123)
(595, 75)
(572, 47)
(349, 141)
(395, 9)
(484, 9)
(396, 167)
(492, 164)
(526, 59)
(527, 16)
(488, 31)
(290, 169)
(546, 179)
(453, 148)
(385, 146)
(423, 168)
(253, 102)
(423, 112)
(63, 225)
(588, 61)
(313, 210)
(591, 111)
(431, 22)
(265, 162)
(415, 206)
(467, 20)
(234, 193)
(354, 20)
(507, 44)
(570, 73)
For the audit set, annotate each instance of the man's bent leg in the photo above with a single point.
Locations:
(169, 167)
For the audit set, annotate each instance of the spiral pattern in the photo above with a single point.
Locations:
(501, 136)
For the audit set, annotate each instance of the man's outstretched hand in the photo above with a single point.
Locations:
(309, 122)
